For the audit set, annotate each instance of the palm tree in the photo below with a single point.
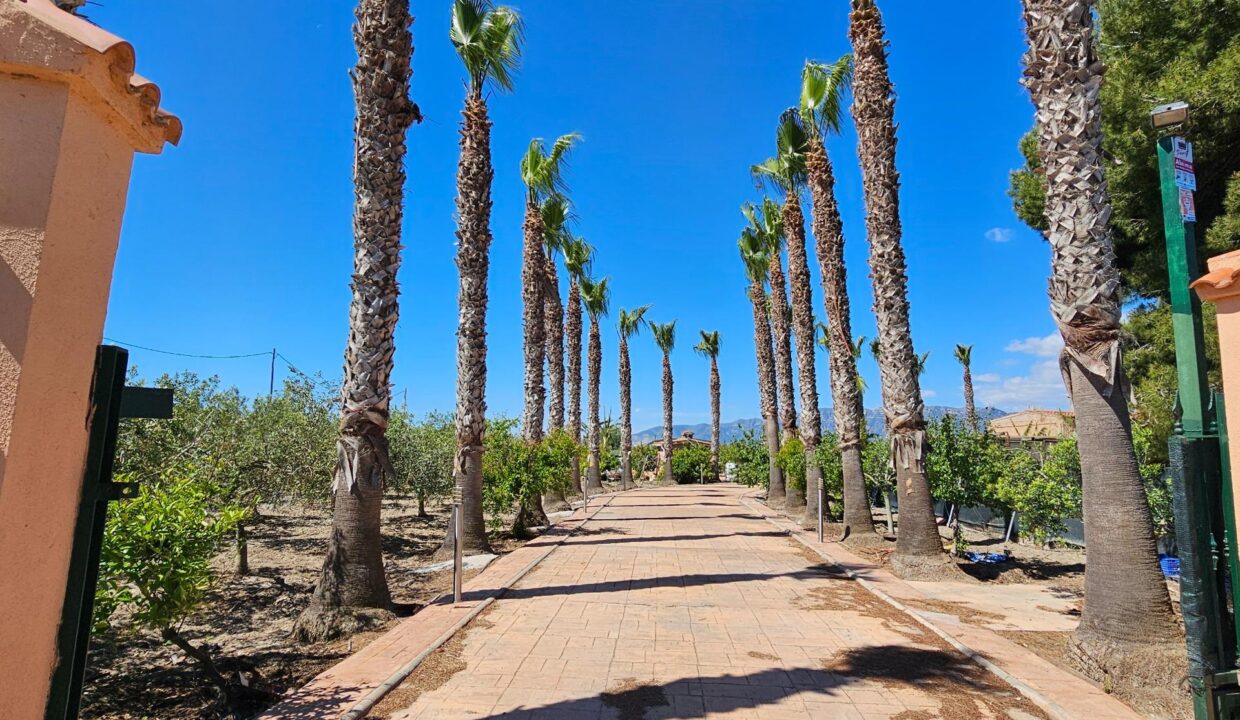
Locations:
(542, 173)
(631, 322)
(578, 256)
(665, 338)
(555, 217)
(595, 296)
(823, 88)
(964, 356)
(782, 328)
(1126, 605)
(488, 40)
(709, 348)
(352, 589)
(755, 250)
(786, 172)
(919, 551)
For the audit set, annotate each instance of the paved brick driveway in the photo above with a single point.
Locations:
(681, 603)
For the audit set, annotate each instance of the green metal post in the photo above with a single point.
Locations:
(1182, 269)
(1193, 455)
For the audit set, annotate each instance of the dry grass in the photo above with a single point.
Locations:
(433, 672)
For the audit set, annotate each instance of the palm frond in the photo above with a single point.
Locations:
(876, 349)
(964, 354)
(664, 335)
(709, 345)
(556, 214)
(823, 340)
(578, 256)
(755, 254)
(919, 362)
(595, 295)
(823, 87)
(542, 171)
(631, 321)
(858, 346)
(785, 171)
(488, 39)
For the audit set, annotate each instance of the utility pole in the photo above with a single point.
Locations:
(271, 382)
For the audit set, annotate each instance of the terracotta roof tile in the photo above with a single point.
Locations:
(67, 45)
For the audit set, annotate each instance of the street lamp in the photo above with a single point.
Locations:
(1169, 115)
(1198, 486)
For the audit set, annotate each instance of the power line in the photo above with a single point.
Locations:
(189, 355)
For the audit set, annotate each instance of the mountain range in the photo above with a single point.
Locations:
(874, 420)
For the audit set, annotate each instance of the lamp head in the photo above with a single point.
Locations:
(1169, 115)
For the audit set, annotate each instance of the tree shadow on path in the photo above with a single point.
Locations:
(945, 676)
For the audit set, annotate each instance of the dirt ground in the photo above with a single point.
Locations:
(245, 623)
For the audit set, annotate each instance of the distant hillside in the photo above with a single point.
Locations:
(733, 429)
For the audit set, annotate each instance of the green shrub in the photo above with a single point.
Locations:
(750, 457)
(1044, 490)
(643, 458)
(832, 467)
(423, 454)
(791, 459)
(691, 463)
(156, 559)
(880, 475)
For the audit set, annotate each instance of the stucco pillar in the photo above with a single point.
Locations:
(1221, 286)
(72, 114)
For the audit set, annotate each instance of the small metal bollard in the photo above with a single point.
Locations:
(458, 552)
(821, 501)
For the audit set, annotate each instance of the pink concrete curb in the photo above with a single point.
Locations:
(1060, 694)
(377, 669)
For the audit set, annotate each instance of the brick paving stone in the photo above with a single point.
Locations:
(682, 603)
(686, 602)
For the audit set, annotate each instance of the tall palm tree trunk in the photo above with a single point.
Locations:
(626, 416)
(533, 280)
(668, 477)
(766, 392)
(919, 551)
(553, 313)
(352, 589)
(594, 479)
(1126, 602)
(473, 206)
(970, 410)
(829, 238)
(553, 317)
(810, 423)
(573, 343)
(794, 497)
(714, 417)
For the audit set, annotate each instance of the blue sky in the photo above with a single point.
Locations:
(239, 240)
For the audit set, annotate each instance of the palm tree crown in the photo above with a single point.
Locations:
(823, 87)
(542, 171)
(596, 296)
(664, 335)
(556, 214)
(755, 254)
(766, 225)
(709, 345)
(786, 170)
(578, 255)
(488, 39)
(632, 320)
(964, 354)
